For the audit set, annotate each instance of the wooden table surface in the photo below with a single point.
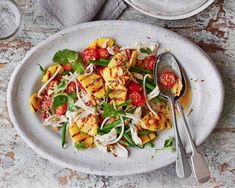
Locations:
(213, 30)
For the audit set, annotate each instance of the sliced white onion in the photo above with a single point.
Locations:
(138, 75)
(89, 69)
(55, 120)
(107, 138)
(48, 81)
(145, 96)
(88, 109)
(134, 135)
(137, 113)
(136, 119)
(100, 146)
(154, 93)
(120, 151)
(111, 50)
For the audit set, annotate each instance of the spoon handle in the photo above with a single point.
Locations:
(200, 168)
(183, 168)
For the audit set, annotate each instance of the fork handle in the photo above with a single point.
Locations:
(183, 168)
(199, 165)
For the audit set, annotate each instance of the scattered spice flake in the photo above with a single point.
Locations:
(223, 167)
(148, 37)
(152, 157)
(191, 110)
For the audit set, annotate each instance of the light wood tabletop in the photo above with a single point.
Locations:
(213, 30)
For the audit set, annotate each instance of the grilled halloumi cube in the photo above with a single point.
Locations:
(88, 125)
(118, 95)
(118, 59)
(80, 137)
(148, 137)
(102, 43)
(51, 70)
(154, 123)
(34, 102)
(93, 84)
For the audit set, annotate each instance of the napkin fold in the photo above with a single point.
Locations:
(72, 12)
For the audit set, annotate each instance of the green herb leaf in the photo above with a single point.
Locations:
(146, 50)
(78, 67)
(65, 56)
(72, 95)
(109, 111)
(42, 69)
(59, 100)
(169, 144)
(62, 86)
(71, 106)
(80, 145)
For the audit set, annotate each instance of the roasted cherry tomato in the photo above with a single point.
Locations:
(71, 88)
(168, 79)
(137, 98)
(90, 54)
(133, 86)
(135, 93)
(45, 115)
(150, 62)
(67, 67)
(60, 110)
(46, 103)
(103, 53)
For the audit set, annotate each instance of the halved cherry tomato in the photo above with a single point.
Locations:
(133, 86)
(60, 110)
(90, 54)
(135, 93)
(46, 103)
(150, 62)
(168, 79)
(137, 98)
(71, 88)
(67, 67)
(103, 53)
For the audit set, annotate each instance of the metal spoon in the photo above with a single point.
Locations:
(200, 168)
(167, 62)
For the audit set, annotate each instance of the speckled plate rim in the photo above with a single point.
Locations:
(62, 163)
(170, 17)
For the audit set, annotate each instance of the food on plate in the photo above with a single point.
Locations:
(170, 80)
(104, 97)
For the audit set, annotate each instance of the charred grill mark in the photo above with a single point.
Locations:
(76, 134)
(93, 82)
(97, 89)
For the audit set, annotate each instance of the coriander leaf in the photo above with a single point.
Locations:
(65, 56)
(78, 67)
(169, 144)
(109, 110)
(42, 69)
(72, 95)
(80, 145)
(146, 50)
(62, 86)
(71, 106)
(59, 100)
(126, 103)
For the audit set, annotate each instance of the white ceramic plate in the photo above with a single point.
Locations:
(170, 9)
(207, 99)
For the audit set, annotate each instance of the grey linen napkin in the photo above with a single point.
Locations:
(72, 12)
